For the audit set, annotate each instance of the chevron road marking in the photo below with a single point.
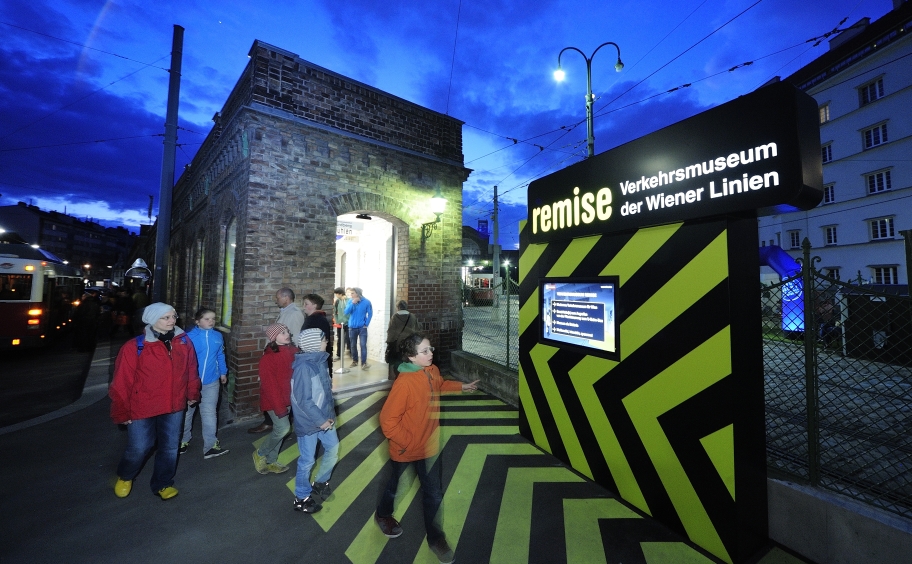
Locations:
(511, 539)
(582, 535)
(672, 553)
(472, 403)
(479, 415)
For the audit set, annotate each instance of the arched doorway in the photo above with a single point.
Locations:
(366, 258)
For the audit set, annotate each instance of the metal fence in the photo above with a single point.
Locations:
(839, 394)
(491, 323)
(838, 397)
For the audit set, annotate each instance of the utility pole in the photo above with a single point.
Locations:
(495, 281)
(166, 188)
(907, 237)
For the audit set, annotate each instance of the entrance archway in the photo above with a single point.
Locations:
(366, 258)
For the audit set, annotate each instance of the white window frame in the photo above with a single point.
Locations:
(882, 229)
(874, 136)
(829, 193)
(824, 113)
(826, 153)
(884, 275)
(885, 183)
(870, 92)
(795, 239)
(829, 235)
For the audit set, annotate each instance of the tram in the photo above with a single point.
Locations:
(37, 295)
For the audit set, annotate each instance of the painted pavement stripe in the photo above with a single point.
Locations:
(582, 535)
(511, 539)
(672, 553)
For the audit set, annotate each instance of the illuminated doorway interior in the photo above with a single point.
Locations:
(365, 258)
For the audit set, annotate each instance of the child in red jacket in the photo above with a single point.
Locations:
(275, 396)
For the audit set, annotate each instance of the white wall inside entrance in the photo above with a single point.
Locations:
(364, 258)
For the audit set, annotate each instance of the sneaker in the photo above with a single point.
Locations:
(216, 450)
(307, 505)
(183, 448)
(276, 468)
(322, 489)
(388, 525)
(259, 462)
(365, 366)
(341, 371)
(123, 487)
(443, 551)
(354, 364)
(167, 492)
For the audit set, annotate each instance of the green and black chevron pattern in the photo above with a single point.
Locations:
(505, 500)
(675, 427)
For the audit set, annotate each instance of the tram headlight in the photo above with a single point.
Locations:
(34, 312)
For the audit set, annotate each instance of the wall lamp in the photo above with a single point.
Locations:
(438, 205)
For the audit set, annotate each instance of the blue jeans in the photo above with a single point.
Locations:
(272, 444)
(307, 445)
(143, 435)
(431, 477)
(356, 335)
(207, 409)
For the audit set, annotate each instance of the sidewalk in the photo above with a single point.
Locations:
(505, 501)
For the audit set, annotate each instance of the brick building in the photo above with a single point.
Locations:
(312, 180)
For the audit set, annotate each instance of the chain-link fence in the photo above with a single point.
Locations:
(838, 372)
(491, 323)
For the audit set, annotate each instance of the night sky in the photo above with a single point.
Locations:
(83, 84)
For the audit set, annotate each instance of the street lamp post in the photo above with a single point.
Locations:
(559, 76)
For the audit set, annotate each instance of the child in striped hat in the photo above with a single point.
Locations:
(275, 395)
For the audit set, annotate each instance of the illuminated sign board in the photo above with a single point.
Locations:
(758, 152)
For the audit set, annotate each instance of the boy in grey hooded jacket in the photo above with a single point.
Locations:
(314, 419)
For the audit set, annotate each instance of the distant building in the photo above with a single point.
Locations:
(863, 87)
(77, 241)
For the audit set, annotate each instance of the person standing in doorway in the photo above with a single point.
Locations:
(340, 319)
(359, 311)
(291, 316)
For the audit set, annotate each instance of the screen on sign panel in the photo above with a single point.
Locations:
(580, 313)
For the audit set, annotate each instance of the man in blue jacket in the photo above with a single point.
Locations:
(359, 312)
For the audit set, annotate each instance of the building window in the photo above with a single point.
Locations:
(795, 239)
(824, 113)
(826, 152)
(830, 233)
(875, 136)
(885, 275)
(228, 272)
(870, 92)
(829, 194)
(832, 272)
(882, 228)
(878, 182)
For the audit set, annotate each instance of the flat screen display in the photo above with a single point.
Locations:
(580, 313)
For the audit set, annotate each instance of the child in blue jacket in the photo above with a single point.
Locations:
(213, 371)
(314, 416)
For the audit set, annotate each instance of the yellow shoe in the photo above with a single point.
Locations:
(168, 492)
(123, 487)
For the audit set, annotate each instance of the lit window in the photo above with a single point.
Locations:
(882, 228)
(870, 92)
(826, 152)
(878, 182)
(824, 113)
(885, 275)
(228, 272)
(795, 239)
(875, 136)
(831, 235)
(829, 194)
(832, 272)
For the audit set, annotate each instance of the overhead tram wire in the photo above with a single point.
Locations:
(152, 64)
(77, 100)
(82, 142)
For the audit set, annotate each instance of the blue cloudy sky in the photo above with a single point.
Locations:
(83, 83)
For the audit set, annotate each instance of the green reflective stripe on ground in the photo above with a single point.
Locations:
(346, 445)
(479, 414)
(511, 539)
(582, 534)
(345, 492)
(677, 552)
(358, 409)
(472, 403)
(370, 542)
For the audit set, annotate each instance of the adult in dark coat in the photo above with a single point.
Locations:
(402, 325)
(85, 323)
